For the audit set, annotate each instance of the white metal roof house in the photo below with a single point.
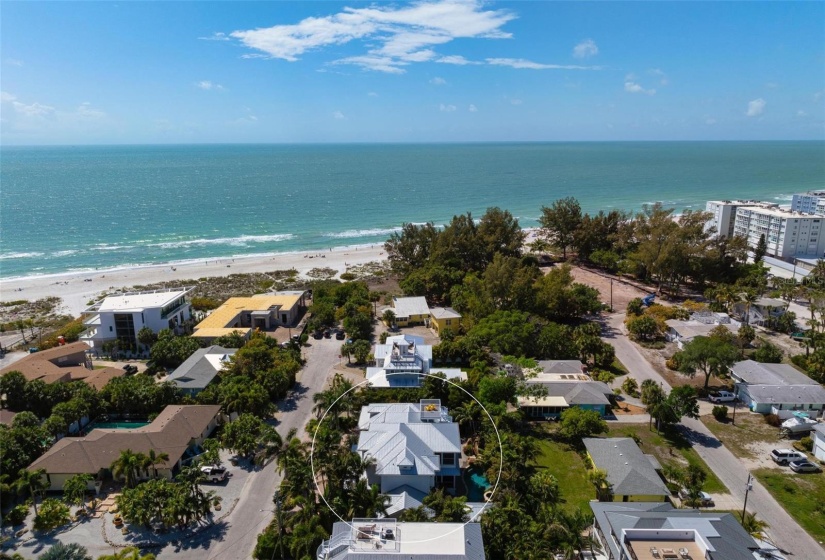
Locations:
(402, 360)
(199, 369)
(411, 311)
(768, 388)
(387, 539)
(413, 445)
(122, 316)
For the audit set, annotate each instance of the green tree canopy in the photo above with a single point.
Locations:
(710, 355)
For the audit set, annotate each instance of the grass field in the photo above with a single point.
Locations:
(669, 448)
(570, 470)
(802, 496)
(749, 428)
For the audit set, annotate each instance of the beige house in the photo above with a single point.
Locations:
(62, 364)
(175, 431)
(245, 314)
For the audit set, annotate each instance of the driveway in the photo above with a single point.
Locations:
(783, 530)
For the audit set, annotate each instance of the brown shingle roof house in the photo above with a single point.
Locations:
(63, 364)
(174, 431)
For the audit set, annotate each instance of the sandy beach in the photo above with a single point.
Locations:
(77, 288)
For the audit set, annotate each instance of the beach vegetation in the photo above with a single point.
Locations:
(203, 303)
(560, 222)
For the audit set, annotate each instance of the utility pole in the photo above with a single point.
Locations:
(611, 295)
(733, 420)
(748, 488)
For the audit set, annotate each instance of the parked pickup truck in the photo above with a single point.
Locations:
(214, 474)
(722, 396)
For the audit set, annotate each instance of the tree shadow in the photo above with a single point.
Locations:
(692, 438)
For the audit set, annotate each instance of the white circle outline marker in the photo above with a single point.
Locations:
(366, 381)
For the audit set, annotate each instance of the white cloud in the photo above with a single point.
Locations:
(397, 36)
(215, 37)
(446, 108)
(472, 108)
(86, 111)
(801, 113)
(6, 97)
(710, 121)
(14, 62)
(586, 49)
(771, 85)
(457, 60)
(633, 87)
(33, 110)
(208, 85)
(659, 74)
(530, 65)
(756, 107)
(818, 95)
(516, 102)
(372, 94)
(438, 81)
(338, 115)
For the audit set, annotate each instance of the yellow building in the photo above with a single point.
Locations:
(243, 314)
(445, 319)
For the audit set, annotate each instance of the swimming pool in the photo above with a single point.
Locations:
(115, 425)
(476, 484)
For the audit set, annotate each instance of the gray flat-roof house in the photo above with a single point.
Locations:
(570, 367)
(647, 531)
(565, 390)
(415, 446)
(682, 332)
(387, 539)
(633, 475)
(199, 369)
(767, 388)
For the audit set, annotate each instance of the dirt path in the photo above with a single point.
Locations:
(622, 290)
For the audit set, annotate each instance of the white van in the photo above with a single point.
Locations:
(785, 456)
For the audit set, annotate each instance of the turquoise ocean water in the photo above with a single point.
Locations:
(79, 208)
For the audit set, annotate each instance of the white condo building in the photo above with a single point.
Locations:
(724, 214)
(121, 317)
(811, 202)
(787, 233)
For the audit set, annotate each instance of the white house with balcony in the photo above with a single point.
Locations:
(122, 316)
(403, 361)
(415, 446)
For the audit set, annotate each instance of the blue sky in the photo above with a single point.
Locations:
(157, 72)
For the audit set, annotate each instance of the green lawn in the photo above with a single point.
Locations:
(801, 495)
(617, 368)
(571, 471)
(669, 449)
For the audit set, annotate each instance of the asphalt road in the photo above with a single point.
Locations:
(236, 538)
(783, 530)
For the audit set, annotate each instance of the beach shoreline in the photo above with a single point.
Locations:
(76, 288)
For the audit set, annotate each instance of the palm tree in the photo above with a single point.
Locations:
(755, 527)
(60, 551)
(366, 501)
(33, 481)
(128, 466)
(306, 537)
(604, 490)
(748, 297)
(74, 490)
(153, 460)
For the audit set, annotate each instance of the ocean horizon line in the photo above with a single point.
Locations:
(374, 143)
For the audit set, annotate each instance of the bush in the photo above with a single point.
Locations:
(204, 303)
(347, 276)
(52, 514)
(768, 353)
(631, 387)
(720, 413)
(807, 444)
(17, 515)
(602, 375)
(773, 420)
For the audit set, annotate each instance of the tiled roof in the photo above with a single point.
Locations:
(61, 365)
(171, 432)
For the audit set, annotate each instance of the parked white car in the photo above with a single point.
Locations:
(722, 397)
(214, 474)
(785, 456)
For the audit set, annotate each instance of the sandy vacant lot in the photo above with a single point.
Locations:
(622, 292)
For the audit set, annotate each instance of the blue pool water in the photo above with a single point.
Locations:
(476, 484)
(115, 425)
